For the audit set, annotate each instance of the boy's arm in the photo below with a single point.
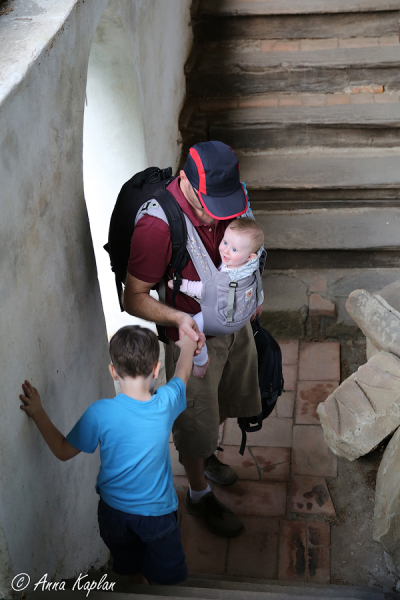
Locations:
(55, 440)
(184, 365)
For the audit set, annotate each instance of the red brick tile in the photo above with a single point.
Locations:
(275, 432)
(258, 498)
(274, 462)
(290, 376)
(389, 40)
(318, 552)
(290, 101)
(321, 306)
(317, 282)
(312, 45)
(204, 551)
(311, 455)
(286, 46)
(310, 495)
(309, 395)
(258, 101)
(334, 99)
(319, 361)
(362, 99)
(314, 100)
(292, 551)
(244, 466)
(181, 487)
(177, 468)
(386, 97)
(285, 405)
(365, 89)
(290, 351)
(358, 42)
(255, 552)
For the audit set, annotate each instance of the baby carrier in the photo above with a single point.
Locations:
(229, 298)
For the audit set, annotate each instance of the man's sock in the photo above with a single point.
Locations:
(196, 496)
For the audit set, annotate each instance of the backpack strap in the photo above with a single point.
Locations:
(231, 300)
(165, 207)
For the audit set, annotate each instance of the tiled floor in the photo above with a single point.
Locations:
(282, 496)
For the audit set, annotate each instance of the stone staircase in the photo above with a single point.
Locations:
(307, 93)
(199, 586)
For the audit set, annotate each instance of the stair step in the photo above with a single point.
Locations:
(328, 591)
(251, 592)
(322, 169)
(217, 28)
(288, 7)
(334, 70)
(370, 125)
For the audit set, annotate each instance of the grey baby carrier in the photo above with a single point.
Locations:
(229, 298)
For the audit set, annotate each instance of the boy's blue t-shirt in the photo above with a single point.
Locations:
(135, 474)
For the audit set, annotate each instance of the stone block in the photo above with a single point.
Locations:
(379, 321)
(387, 502)
(364, 409)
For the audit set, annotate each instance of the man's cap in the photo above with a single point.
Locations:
(213, 170)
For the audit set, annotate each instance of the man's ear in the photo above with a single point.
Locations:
(113, 372)
(182, 175)
(156, 369)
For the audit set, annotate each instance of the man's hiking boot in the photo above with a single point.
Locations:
(219, 472)
(218, 519)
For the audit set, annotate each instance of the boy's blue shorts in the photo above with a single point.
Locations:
(148, 545)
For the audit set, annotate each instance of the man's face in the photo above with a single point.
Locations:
(235, 249)
(192, 197)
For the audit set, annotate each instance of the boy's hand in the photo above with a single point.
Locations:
(186, 344)
(31, 399)
(171, 284)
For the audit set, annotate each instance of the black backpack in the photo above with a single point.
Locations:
(270, 379)
(145, 186)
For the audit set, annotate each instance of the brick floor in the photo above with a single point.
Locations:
(309, 395)
(319, 361)
(282, 493)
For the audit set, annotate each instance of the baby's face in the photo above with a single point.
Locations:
(235, 249)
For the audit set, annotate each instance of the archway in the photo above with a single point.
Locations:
(113, 143)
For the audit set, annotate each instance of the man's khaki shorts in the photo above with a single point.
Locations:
(229, 388)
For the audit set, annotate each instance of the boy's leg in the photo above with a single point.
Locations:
(127, 549)
(164, 560)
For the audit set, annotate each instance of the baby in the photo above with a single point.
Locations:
(242, 240)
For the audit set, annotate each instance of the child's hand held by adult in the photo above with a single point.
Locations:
(31, 399)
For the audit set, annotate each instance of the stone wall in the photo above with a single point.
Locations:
(51, 319)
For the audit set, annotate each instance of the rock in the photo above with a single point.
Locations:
(364, 409)
(387, 503)
(391, 293)
(379, 321)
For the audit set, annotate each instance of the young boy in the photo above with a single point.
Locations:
(138, 503)
(243, 238)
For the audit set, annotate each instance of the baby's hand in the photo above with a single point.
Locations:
(171, 284)
(200, 371)
(31, 400)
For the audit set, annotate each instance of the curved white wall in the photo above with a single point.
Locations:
(51, 318)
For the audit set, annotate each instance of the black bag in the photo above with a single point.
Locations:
(143, 186)
(270, 379)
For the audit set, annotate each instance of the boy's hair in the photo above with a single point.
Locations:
(248, 225)
(134, 351)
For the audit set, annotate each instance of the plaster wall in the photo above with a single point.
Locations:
(51, 318)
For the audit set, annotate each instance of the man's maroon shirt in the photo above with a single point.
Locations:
(151, 252)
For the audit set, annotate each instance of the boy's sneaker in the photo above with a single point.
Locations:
(217, 517)
(219, 472)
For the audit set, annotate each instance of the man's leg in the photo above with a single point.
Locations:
(195, 435)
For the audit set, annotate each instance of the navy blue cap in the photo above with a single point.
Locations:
(213, 170)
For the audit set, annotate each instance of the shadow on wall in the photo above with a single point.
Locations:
(113, 144)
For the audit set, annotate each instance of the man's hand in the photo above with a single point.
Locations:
(257, 313)
(188, 326)
(31, 399)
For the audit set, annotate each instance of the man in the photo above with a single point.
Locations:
(209, 192)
